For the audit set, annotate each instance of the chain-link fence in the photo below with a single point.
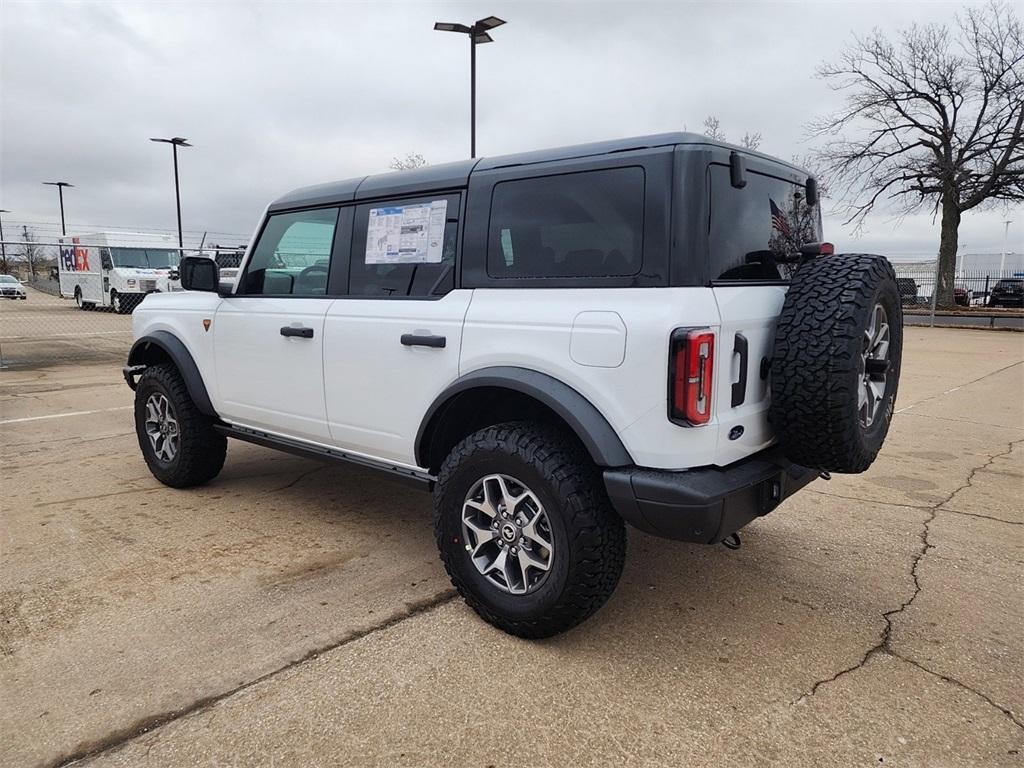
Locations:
(972, 288)
(72, 301)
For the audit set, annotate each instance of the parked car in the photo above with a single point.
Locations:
(556, 343)
(11, 288)
(962, 296)
(1007, 293)
(908, 290)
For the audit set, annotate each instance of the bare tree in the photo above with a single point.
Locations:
(751, 140)
(407, 163)
(934, 119)
(30, 252)
(713, 130)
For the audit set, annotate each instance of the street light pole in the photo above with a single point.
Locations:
(478, 34)
(176, 142)
(472, 95)
(60, 191)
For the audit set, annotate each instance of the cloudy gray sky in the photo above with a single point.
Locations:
(277, 95)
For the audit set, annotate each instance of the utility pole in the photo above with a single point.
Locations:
(3, 245)
(30, 253)
(1002, 259)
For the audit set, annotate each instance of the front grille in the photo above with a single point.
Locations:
(147, 285)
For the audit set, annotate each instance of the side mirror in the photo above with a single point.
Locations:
(199, 273)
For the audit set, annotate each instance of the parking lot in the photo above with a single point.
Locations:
(46, 328)
(293, 613)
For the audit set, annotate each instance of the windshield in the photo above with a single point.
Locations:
(144, 258)
(8, 279)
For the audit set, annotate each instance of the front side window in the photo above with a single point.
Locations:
(587, 224)
(405, 247)
(293, 255)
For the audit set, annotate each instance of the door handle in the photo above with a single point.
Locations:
(416, 340)
(300, 331)
(739, 389)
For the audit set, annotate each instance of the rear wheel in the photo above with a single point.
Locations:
(179, 444)
(836, 363)
(525, 529)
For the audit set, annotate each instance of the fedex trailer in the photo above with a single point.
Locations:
(116, 269)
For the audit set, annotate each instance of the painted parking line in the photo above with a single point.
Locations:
(62, 415)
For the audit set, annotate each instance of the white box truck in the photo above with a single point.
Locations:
(116, 269)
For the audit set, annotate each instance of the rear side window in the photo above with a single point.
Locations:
(587, 224)
(753, 232)
(293, 255)
(405, 247)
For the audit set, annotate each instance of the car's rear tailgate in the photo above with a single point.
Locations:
(748, 317)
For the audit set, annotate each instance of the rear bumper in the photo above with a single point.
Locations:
(708, 504)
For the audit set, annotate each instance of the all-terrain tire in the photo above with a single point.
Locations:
(817, 362)
(201, 450)
(588, 537)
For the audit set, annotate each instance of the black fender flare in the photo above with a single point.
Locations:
(591, 427)
(182, 359)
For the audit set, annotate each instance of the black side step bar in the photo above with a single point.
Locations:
(421, 479)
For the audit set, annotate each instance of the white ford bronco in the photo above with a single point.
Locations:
(556, 343)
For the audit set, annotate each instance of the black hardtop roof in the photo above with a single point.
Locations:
(454, 175)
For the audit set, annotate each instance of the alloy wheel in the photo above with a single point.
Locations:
(507, 534)
(874, 367)
(162, 427)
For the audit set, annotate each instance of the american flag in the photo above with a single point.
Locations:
(780, 222)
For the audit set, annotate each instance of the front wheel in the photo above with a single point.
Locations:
(525, 529)
(178, 442)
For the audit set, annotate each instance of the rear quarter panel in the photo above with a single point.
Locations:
(534, 328)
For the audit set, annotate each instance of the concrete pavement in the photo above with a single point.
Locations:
(295, 614)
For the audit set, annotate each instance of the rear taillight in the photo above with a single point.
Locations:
(691, 369)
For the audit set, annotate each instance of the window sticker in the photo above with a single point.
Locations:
(406, 234)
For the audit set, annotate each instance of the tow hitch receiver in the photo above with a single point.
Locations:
(732, 541)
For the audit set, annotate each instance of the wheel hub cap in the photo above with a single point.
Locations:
(874, 367)
(507, 534)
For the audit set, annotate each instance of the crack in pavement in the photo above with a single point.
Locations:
(121, 736)
(302, 476)
(958, 387)
(884, 644)
(923, 507)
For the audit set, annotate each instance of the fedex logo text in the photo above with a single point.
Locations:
(73, 258)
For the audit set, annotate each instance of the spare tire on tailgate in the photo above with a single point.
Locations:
(836, 362)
